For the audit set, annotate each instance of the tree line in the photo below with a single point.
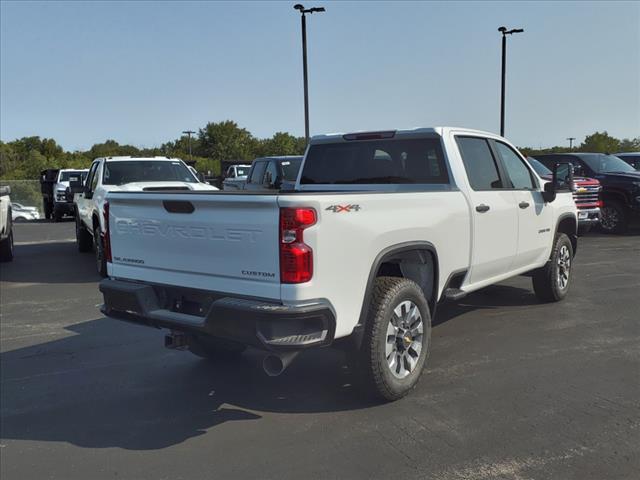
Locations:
(25, 158)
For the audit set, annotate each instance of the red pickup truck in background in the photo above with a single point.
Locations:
(586, 194)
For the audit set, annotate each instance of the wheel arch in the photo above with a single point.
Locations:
(417, 261)
(568, 224)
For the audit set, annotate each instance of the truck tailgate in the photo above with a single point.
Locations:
(214, 242)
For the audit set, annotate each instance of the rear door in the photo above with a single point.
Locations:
(493, 211)
(535, 229)
(210, 241)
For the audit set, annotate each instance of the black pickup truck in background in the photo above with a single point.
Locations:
(620, 185)
(273, 173)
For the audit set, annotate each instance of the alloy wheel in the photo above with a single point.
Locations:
(564, 267)
(404, 339)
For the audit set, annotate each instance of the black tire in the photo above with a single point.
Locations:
(212, 348)
(98, 247)
(551, 283)
(386, 332)
(6, 248)
(83, 237)
(57, 216)
(584, 229)
(613, 217)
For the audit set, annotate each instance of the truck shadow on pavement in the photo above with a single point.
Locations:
(54, 262)
(112, 384)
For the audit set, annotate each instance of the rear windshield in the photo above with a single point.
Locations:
(242, 171)
(121, 172)
(376, 162)
(65, 176)
(290, 169)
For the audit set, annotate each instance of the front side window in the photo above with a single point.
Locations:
(519, 174)
(479, 163)
(373, 162)
(290, 169)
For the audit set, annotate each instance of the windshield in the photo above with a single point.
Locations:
(121, 172)
(290, 169)
(65, 176)
(539, 167)
(242, 171)
(601, 163)
(418, 161)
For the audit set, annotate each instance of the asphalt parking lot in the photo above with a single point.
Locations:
(514, 389)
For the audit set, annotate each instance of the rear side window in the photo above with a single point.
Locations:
(418, 161)
(479, 163)
(258, 172)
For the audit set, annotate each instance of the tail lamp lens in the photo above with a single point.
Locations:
(296, 257)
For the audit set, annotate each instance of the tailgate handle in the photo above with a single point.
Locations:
(178, 206)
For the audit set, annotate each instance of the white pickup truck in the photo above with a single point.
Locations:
(380, 228)
(128, 174)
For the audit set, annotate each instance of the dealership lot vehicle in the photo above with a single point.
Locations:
(586, 194)
(620, 186)
(22, 213)
(54, 184)
(632, 158)
(6, 225)
(361, 251)
(123, 174)
(273, 173)
(548, 391)
(235, 177)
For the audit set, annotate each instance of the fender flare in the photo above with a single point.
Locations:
(386, 254)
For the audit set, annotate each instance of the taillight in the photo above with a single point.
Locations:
(296, 257)
(106, 238)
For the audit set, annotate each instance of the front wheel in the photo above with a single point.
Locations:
(397, 338)
(613, 217)
(83, 237)
(551, 282)
(98, 246)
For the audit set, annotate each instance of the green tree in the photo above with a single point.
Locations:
(630, 145)
(281, 143)
(600, 142)
(225, 141)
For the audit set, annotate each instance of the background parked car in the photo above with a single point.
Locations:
(235, 177)
(620, 185)
(21, 213)
(586, 194)
(632, 158)
(273, 173)
(6, 226)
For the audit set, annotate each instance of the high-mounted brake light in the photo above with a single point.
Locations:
(370, 135)
(296, 257)
(106, 237)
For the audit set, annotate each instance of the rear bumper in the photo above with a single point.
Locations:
(588, 216)
(262, 324)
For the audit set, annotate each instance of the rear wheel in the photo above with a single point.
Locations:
(212, 348)
(397, 338)
(6, 248)
(98, 246)
(551, 282)
(613, 217)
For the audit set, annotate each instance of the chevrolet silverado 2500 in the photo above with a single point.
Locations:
(379, 228)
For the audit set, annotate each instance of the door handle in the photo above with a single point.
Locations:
(523, 204)
(482, 208)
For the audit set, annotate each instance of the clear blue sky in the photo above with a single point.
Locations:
(140, 73)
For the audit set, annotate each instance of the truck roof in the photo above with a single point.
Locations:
(409, 132)
(124, 158)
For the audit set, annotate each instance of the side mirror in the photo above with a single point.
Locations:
(272, 183)
(75, 185)
(562, 181)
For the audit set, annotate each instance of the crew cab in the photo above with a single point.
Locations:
(586, 194)
(235, 177)
(54, 185)
(273, 173)
(122, 174)
(620, 186)
(379, 228)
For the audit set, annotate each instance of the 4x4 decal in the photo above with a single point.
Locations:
(343, 208)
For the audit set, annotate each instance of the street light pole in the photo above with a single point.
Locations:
(189, 132)
(303, 19)
(571, 139)
(505, 32)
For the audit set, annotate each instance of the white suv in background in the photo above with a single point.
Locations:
(122, 174)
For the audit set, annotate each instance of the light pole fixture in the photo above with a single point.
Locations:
(505, 32)
(304, 11)
(189, 132)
